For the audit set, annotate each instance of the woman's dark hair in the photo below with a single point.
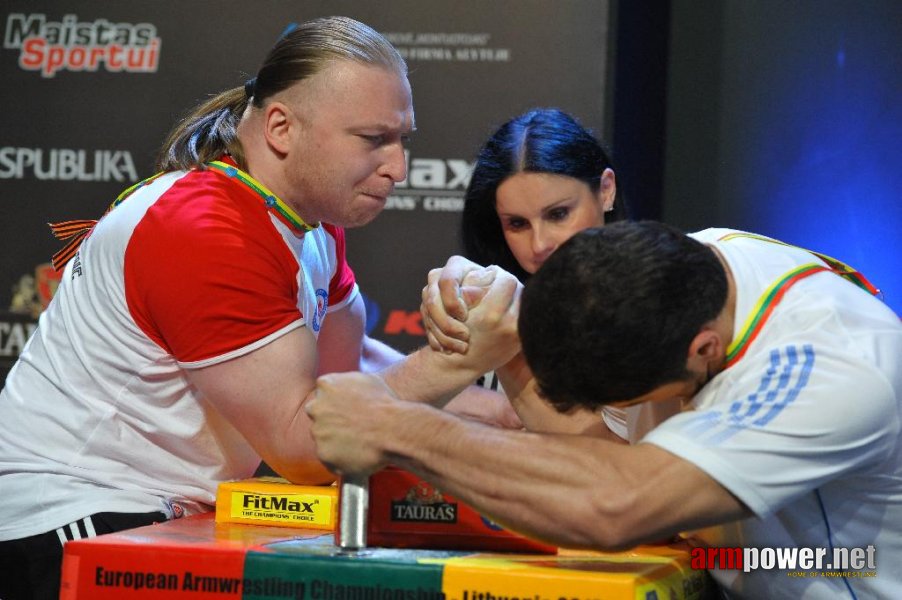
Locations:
(210, 129)
(539, 141)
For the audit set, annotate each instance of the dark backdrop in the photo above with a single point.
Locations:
(73, 135)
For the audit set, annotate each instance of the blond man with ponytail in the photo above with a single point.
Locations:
(194, 317)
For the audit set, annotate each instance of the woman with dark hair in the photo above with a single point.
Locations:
(539, 179)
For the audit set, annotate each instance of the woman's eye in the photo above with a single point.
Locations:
(558, 214)
(516, 224)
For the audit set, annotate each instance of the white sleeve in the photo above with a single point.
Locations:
(786, 420)
(633, 422)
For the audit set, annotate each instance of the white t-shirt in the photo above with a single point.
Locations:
(191, 270)
(805, 427)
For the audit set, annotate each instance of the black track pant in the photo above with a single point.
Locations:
(30, 567)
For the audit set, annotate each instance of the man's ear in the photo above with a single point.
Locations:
(706, 350)
(278, 126)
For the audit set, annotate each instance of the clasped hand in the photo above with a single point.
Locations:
(472, 311)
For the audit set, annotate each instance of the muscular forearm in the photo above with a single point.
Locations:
(295, 458)
(262, 394)
(559, 488)
(572, 490)
(429, 376)
(486, 406)
(443, 381)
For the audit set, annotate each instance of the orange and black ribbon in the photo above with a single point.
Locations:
(76, 231)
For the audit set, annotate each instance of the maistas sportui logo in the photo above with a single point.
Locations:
(71, 45)
(424, 504)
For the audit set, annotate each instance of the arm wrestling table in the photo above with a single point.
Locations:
(200, 558)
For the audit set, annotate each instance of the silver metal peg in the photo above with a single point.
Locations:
(354, 499)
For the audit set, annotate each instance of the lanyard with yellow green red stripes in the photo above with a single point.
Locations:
(282, 211)
(772, 296)
(77, 230)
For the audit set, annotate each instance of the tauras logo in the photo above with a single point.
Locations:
(65, 164)
(445, 512)
(283, 503)
(423, 503)
(73, 45)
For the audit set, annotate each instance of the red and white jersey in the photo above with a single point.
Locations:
(192, 269)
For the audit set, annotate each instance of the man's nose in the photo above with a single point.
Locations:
(395, 163)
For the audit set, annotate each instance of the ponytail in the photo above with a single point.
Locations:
(207, 133)
(211, 129)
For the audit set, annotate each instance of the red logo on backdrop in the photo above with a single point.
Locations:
(72, 45)
(402, 321)
(48, 280)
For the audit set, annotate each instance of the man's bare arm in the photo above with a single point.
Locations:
(571, 490)
(341, 342)
(262, 394)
